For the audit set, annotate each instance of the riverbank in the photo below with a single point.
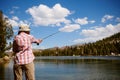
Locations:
(5, 59)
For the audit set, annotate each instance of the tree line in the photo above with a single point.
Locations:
(108, 46)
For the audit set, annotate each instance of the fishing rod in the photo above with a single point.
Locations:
(46, 36)
(49, 36)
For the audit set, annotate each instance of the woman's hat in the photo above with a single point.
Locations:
(24, 27)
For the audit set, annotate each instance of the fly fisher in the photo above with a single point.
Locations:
(23, 58)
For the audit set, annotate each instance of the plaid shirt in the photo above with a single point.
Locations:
(22, 47)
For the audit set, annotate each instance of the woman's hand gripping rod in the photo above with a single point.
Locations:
(49, 36)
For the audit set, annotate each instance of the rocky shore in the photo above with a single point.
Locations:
(5, 59)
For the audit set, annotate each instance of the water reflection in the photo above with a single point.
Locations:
(6, 72)
(77, 69)
(2, 72)
(70, 68)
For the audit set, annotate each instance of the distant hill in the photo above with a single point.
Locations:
(108, 46)
(111, 39)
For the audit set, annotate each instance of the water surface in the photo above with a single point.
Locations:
(70, 68)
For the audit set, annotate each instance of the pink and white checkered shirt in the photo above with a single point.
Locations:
(22, 47)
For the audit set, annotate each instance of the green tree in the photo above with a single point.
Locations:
(6, 33)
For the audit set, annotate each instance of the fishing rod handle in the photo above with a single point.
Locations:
(40, 41)
(37, 43)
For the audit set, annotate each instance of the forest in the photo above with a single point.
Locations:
(109, 46)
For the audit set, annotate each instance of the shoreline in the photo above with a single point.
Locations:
(5, 59)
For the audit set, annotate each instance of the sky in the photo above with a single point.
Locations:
(77, 21)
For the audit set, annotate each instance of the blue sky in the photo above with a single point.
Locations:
(78, 21)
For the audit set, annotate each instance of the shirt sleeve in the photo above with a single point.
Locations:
(34, 40)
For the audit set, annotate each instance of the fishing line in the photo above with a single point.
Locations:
(49, 36)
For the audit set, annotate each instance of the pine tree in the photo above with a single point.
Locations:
(6, 32)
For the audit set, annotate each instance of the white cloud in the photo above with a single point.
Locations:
(98, 33)
(92, 21)
(83, 21)
(118, 19)
(87, 40)
(15, 22)
(15, 18)
(107, 17)
(70, 28)
(13, 9)
(102, 31)
(12, 12)
(44, 15)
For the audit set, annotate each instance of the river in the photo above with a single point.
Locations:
(70, 68)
